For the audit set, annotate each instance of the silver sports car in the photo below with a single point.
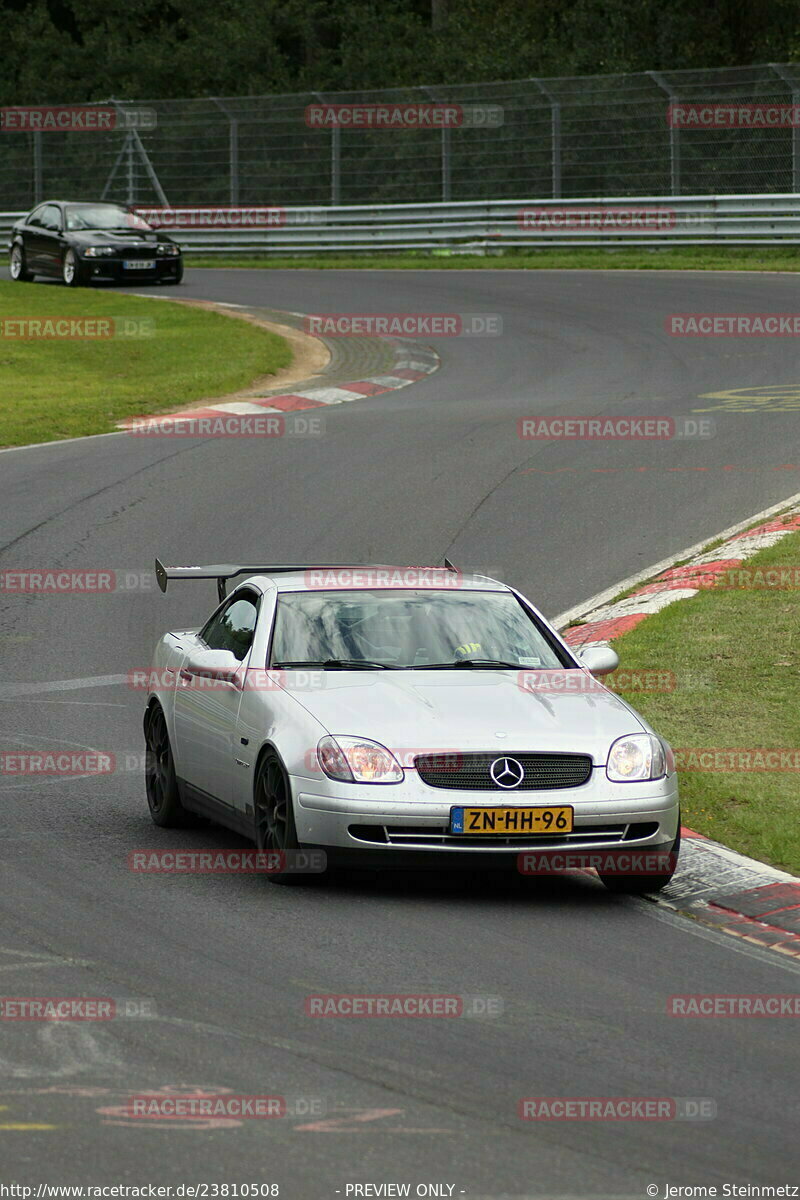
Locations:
(403, 715)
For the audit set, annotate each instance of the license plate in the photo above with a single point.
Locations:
(139, 264)
(510, 820)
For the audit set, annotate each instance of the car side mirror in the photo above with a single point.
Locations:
(213, 664)
(600, 660)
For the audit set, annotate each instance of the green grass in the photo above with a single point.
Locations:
(678, 258)
(736, 659)
(697, 258)
(51, 389)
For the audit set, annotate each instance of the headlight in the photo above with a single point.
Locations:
(168, 248)
(634, 758)
(99, 251)
(357, 760)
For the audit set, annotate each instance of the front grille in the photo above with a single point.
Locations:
(439, 835)
(471, 772)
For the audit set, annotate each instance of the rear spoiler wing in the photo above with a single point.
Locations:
(222, 572)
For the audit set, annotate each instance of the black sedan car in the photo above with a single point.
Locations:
(81, 242)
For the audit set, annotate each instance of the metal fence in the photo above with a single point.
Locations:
(498, 225)
(600, 135)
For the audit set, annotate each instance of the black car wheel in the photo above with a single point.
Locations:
(73, 272)
(19, 272)
(274, 816)
(161, 783)
(177, 277)
(643, 885)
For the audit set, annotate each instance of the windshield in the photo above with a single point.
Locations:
(408, 629)
(103, 216)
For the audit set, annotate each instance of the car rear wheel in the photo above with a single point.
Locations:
(17, 268)
(642, 885)
(161, 783)
(72, 272)
(275, 830)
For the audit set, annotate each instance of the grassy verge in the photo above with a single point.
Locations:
(679, 258)
(59, 388)
(736, 660)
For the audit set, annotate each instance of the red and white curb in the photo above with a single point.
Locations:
(718, 886)
(609, 621)
(412, 363)
(737, 894)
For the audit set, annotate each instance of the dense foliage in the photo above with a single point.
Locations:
(69, 50)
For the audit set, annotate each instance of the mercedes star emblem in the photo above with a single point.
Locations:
(507, 772)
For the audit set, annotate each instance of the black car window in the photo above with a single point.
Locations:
(35, 218)
(233, 626)
(51, 217)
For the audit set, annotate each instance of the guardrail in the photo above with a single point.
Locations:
(492, 226)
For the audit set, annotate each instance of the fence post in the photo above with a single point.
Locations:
(555, 139)
(233, 150)
(446, 168)
(131, 146)
(336, 165)
(131, 177)
(336, 158)
(674, 135)
(793, 83)
(38, 184)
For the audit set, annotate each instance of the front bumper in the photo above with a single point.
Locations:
(401, 819)
(113, 268)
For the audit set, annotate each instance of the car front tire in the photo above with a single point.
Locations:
(275, 830)
(643, 885)
(161, 783)
(177, 277)
(73, 273)
(17, 268)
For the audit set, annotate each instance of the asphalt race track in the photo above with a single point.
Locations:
(225, 962)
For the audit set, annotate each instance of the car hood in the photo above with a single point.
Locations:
(110, 237)
(435, 711)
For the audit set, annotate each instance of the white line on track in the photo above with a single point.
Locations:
(573, 614)
(12, 690)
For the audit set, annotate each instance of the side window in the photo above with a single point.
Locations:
(35, 217)
(51, 217)
(232, 628)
